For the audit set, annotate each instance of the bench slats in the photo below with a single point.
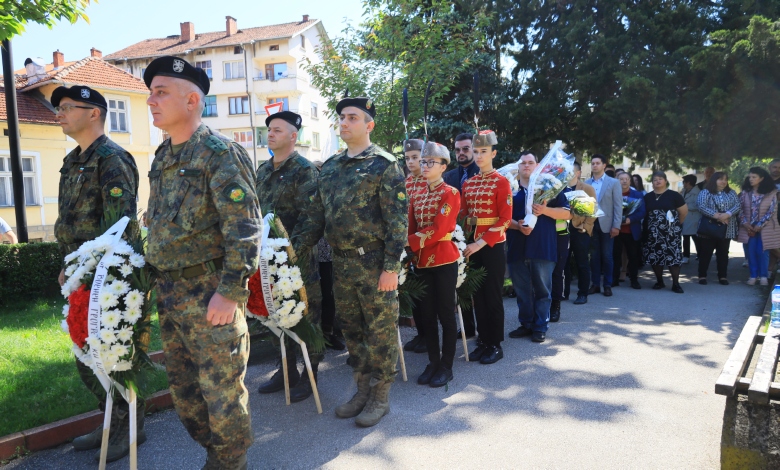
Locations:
(765, 368)
(735, 365)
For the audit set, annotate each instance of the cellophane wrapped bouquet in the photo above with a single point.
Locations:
(548, 179)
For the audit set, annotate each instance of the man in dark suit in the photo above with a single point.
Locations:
(610, 200)
(466, 166)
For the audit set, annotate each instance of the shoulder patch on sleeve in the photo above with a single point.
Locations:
(234, 192)
(214, 143)
(104, 151)
(387, 156)
(401, 196)
(116, 190)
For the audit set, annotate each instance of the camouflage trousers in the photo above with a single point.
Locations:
(369, 318)
(206, 366)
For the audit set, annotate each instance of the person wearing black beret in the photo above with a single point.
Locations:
(285, 185)
(97, 176)
(204, 236)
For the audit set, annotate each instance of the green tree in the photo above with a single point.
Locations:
(400, 44)
(14, 14)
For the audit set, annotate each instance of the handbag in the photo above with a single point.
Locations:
(711, 228)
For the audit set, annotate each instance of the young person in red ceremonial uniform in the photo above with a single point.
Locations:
(433, 214)
(487, 204)
(415, 183)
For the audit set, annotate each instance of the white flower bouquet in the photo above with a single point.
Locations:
(548, 179)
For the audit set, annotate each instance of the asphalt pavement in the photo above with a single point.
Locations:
(622, 382)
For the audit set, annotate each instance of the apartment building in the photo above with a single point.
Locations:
(249, 69)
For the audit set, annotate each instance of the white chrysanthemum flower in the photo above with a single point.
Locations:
(284, 284)
(110, 278)
(71, 256)
(120, 350)
(87, 247)
(64, 326)
(124, 335)
(123, 248)
(126, 270)
(283, 271)
(70, 270)
(300, 308)
(122, 366)
(267, 253)
(134, 298)
(110, 318)
(104, 349)
(293, 319)
(65, 310)
(132, 315)
(297, 283)
(112, 260)
(93, 342)
(137, 260)
(107, 336)
(273, 269)
(108, 300)
(119, 288)
(295, 271)
(280, 257)
(89, 264)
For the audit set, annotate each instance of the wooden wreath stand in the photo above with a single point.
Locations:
(280, 332)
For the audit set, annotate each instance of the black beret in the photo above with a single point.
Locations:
(84, 94)
(360, 102)
(289, 116)
(176, 67)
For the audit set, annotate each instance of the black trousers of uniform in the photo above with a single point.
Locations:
(488, 299)
(417, 314)
(438, 304)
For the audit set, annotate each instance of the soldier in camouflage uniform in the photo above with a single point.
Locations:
(95, 176)
(364, 199)
(204, 233)
(286, 185)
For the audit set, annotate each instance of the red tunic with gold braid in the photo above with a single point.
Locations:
(487, 204)
(432, 218)
(414, 184)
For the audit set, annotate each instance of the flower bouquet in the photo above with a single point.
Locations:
(583, 205)
(469, 279)
(108, 288)
(630, 205)
(410, 287)
(548, 179)
(510, 173)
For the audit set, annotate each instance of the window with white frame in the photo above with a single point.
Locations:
(239, 105)
(117, 115)
(234, 70)
(314, 111)
(210, 106)
(315, 140)
(244, 138)
(205, 65)
(284, 100)
(28, 177)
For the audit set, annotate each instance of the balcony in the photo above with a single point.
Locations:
(285, 83)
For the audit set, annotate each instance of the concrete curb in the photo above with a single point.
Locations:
(65, 430)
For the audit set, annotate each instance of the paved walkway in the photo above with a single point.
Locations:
(622, 382)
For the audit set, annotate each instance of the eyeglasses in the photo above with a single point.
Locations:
(67, 107)
(462, 149)
(430, 163)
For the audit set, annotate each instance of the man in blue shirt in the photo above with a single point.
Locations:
(532, 254)
(466, 165)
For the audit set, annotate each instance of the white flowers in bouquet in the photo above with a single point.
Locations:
(460, 241)
(510, 173)
(548, 179)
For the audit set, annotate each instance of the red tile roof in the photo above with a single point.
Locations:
(31, 110)
(173, 45)
(91, 71)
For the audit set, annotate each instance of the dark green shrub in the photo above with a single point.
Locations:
(29, 270)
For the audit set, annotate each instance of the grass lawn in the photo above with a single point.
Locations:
(39, 383)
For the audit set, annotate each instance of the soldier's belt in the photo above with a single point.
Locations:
(447, 237)
(358, 252)
(194, 271)
(474, 221)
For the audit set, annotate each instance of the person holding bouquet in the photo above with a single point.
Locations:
(486, 202)
(630, 231)
(432, 219)
(580, 229)
(415, 183)
(607, 227)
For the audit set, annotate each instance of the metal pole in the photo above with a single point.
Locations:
(251, 107)
(14, 142)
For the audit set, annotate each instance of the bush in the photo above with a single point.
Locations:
(29, 270)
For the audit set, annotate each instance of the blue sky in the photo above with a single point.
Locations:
(115, 24)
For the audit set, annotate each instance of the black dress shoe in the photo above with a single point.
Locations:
(581, 299)
(425, 377)
(658, 285)
(492, 355)
(538, 337)
(607, 291)
(724, 282)
(422, 346)
(677, 289)
(594, 290)
(334, 342)
(702, 281)
(635, 284)
(477, 353)
(519, 333)
(413, 343)
(303, 390)
(442, 377)
(555, 311)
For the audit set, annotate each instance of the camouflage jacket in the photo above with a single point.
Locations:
(203, 206)
(364, 200)
(90, 182)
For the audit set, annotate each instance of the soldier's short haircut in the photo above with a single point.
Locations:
(103, 114)
(367, 118)
(188, 87)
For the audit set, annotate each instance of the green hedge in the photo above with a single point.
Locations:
(29, 270)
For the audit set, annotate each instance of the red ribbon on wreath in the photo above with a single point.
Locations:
(77, 315)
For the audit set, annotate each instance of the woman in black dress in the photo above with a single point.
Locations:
(666, 211)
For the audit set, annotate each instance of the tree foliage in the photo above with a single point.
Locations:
(15, 14)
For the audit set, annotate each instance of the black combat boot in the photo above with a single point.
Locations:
(276, 383)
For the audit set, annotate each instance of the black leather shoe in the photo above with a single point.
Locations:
(334, 342)
(442, 377)
(658, 285)
(538, 337)
(492, 355)
(303, 390)
(520, 332)
(607, 291)
(555, 311)
(477, 353)
(425, 377)
(677, 289)
(422, 346)
(703, 281)
(635, 284)
(594, 290)
(276, 383)
(581, 299)
(724, 282)
(413, 343)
